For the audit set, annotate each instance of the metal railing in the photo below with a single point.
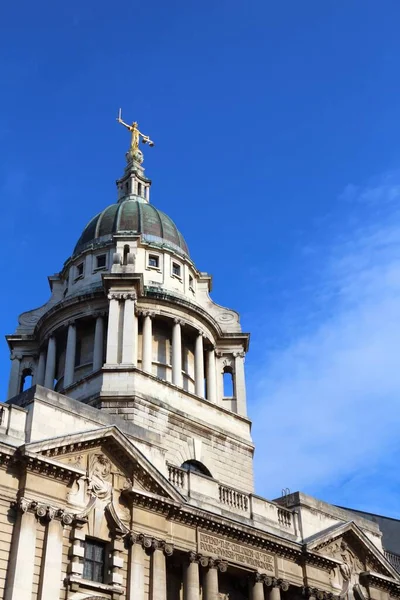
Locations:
(394, 559)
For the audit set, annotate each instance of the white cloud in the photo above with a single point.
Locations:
(328, 405)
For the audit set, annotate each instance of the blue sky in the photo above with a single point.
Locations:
(277, 128)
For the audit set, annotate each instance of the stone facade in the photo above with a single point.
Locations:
(126, 468)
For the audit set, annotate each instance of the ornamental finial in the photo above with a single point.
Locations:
(134, 153)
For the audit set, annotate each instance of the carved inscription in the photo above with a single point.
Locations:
(236, 552)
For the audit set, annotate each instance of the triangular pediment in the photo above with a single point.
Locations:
(351, 548)
(128, 465)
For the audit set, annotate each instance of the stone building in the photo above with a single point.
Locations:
(126, 451)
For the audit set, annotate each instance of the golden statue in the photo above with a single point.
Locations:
(136, 135)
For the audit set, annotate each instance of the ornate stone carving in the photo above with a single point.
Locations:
(226, 317)
(340, 550)
(100, 485)
(168, 549)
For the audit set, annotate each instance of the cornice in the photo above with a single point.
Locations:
(195, 517)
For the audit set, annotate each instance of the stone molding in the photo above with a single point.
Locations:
(196, 517)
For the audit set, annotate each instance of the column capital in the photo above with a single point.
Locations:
(71, 322)
(213, 563)
(129, 295)
(43, 512)
(178, 321)
(15, 355)
(100, 314)
(146, 313)
(273, 582)
(238, 354)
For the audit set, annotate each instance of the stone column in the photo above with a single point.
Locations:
(129, 335)
(256, 587)
(274, 593)
(240, 384)
(22, 558)
(199, 365)
(39, 379)
(52, 561)
(210, 581)
(211, 376)
(98, 348)
(136, 571)
(191, 582)
(69, 369)
(14, 384)
(147, 345)
(177, 353)
(158, 576)
(113, 329)
(50, 363)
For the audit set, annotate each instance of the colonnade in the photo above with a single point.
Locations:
(46, 370)
(196, 570)
(122, 349)
(122, 345)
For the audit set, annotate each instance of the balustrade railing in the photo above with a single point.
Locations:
(233, 498)
(177, 476)
(285, 517)
(394, 559)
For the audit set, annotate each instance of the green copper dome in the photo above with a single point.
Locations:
(132, 217)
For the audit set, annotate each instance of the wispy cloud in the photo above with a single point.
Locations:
(328, 404)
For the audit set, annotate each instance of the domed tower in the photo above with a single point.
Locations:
(130, 328)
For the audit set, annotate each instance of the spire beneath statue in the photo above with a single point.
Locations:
(134, 185)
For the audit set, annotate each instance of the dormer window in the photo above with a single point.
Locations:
(101, 261)
(154, 261)
(176, 269)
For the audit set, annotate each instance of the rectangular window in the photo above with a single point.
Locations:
(176, 269)
(101, 261)
(93, 566)
(154, 261)
(79, 270)
(191, 284)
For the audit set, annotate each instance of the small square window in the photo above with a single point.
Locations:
(93, 565)
(101, 261)
(79, 270)
(176, 269)
(154, 261)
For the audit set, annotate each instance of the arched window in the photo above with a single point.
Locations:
(126, 252)
(26, 380)
(196, 466)
(227, 375)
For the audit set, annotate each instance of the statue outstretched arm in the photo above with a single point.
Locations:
(119, 119)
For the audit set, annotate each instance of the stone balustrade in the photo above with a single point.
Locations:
(285, 517)
(177, 476)
(233, 498)
(198, 486)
